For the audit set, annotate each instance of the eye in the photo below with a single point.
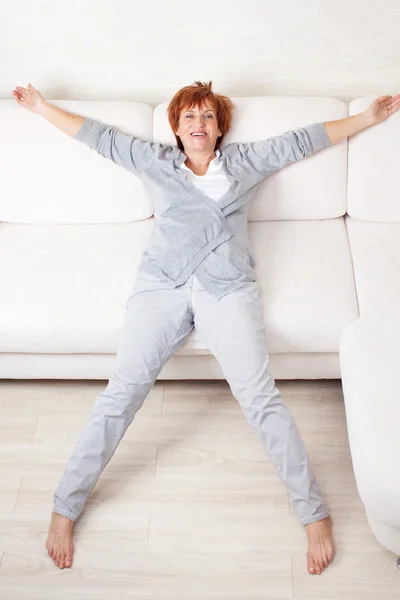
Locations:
(188, 116)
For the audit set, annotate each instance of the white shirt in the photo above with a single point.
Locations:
(214, 183)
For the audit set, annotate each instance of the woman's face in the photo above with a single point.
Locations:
(198, 120)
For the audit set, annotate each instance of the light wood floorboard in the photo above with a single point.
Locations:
(190, 505)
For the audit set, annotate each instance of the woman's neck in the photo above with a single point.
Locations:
(199, 164)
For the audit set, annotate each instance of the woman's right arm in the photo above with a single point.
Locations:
(32, 100)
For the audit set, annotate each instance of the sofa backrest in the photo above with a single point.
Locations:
(374, 169)
(49, 177)
(314, 188)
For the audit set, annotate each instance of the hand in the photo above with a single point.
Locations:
(28, 98)
(381, 108)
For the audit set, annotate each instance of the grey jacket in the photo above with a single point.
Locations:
(192, 233)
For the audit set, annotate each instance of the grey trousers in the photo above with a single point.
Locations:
(158, 319)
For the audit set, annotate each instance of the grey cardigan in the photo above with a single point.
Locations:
(193, 233)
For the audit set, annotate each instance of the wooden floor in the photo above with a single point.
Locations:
(190, 505)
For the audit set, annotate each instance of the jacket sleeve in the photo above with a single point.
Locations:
(274, 153)
(125, 150)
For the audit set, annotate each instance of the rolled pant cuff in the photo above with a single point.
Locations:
(319, 517)
(65, 513)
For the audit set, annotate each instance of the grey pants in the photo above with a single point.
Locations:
(158, 319)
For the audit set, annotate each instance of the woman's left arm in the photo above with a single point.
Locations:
(379, 110)
(265, 157)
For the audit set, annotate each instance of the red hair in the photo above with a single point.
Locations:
(195, 95)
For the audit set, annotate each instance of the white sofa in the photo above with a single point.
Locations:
(325, 238)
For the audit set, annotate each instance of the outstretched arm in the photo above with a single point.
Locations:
(264, 157)
(268, 156)
(132, 153)
(31, 99)
(125, 150)
(379, 110)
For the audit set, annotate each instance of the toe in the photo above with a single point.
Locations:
(68, 560)
(310, 565)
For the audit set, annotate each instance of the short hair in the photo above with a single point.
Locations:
(194, 95)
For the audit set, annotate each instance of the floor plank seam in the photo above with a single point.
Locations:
(148, 535)
(155, 463)
(19, 488)
(162, 400)
(34, 429)
(291, 560)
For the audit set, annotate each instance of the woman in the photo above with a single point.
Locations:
(197, 271)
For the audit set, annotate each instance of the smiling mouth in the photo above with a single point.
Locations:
(198, 134)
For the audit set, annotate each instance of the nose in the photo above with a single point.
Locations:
(199, 120)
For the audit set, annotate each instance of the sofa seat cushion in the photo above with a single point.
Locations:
(307, 283)
(64, 288)
(375, 249)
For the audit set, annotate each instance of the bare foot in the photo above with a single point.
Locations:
(320, 545)
(59, 540)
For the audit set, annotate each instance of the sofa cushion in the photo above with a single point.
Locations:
(373, 166)
(48, 176)
(375, 249)
(310, 189)
(65, 287)
(307, 284)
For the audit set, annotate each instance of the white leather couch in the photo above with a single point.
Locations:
(325, 238)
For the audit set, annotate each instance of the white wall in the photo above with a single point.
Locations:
(147, 49)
